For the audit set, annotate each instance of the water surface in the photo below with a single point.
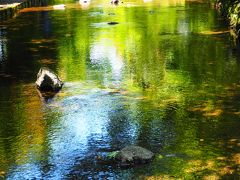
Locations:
(165, 77)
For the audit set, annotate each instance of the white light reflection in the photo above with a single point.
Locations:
(85, 3)
(105, 52)
(80, 122)
(183, 27)
(147, 1)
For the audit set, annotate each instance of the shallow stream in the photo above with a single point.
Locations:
(164, 77)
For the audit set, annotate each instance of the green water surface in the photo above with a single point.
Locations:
(164, 77)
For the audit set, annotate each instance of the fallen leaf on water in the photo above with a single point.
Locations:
(217, 112)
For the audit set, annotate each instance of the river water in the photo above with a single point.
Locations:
(165, 77)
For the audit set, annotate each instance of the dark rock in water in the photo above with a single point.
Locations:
(47, 80)
(132, 155)
(115, 2)
(113, 23)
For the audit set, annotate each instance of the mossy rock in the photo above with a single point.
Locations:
(133, 155)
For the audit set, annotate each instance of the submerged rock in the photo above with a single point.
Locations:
(112, 23)
(47, 80)
(132, 155)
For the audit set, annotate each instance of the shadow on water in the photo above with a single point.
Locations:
(165, 78)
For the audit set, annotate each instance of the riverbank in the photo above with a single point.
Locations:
(9, 9)
(230, 10)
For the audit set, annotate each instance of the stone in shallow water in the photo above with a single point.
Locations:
(113, 23)
(132, 155)
(47, 80)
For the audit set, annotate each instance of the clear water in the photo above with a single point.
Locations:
(165, 77)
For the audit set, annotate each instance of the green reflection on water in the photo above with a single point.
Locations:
(176, 79)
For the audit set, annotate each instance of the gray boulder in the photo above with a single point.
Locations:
(47, 80)
(132, 155)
